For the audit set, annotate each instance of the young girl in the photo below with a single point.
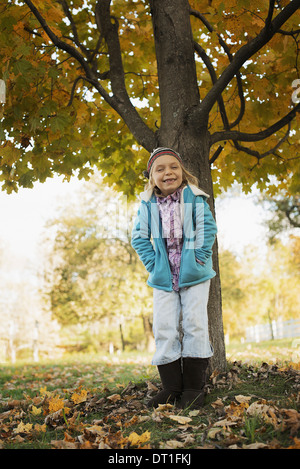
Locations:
(175, 214)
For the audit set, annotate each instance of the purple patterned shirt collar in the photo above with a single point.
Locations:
(169, 209)
(174, 196)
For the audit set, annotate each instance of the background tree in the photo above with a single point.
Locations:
(284, 210)
(26, 327)
(277, 285)
(233, 293)
(204, 73)
(93, 277)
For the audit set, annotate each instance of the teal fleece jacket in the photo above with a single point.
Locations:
(199, 232)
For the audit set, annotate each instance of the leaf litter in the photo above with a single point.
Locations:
(84, 417)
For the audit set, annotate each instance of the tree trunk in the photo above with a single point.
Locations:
(183, 129)
(122, 338)
(150, 344)
(195, 152)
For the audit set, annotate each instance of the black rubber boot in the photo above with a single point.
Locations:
(171, 378)
(194, 380)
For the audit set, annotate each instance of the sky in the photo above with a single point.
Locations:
(23, 217)
(240, 222)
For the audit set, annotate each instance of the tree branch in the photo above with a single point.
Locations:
(109, 30)
(69, 15)
(223, 44)
(216, 154)
(71, 51)
(80, 77)
(235, 135)
(244, 54)
(202, 54)
(272, 151)
(270, 14)
(120, 101)
(127, 111)
(289, 33)
(57, 41)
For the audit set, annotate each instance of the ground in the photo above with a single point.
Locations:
(99, 403)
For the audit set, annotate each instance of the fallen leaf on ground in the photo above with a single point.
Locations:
(137, 440)
(263, 410)
(151, 386)
(172, 444)
(35, 410)
(62, 444)
(78, 398)
(225, 423)
(296, 444)
(114, 397)
(23, 428)
(180, 419)
(291, 420)
(255, 446)
(213, 432)
(163, 407)
(240, 399)
(218, 404)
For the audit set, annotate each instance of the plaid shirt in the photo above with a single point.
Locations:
(169, 209)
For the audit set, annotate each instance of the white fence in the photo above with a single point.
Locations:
(273, 330)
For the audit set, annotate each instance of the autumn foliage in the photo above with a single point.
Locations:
(85, 89)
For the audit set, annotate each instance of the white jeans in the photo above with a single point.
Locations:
(180, 324)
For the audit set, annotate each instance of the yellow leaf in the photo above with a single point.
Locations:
(296, 444)
(35, 410)
(240, 399)
(225, 423)
(44, 392)
(213, 432)
(236, 410)
(173, 444)
(218, 404)
(255, 446)
(162, 407)
(23, 428)
(77, 398)
(94, 429)
(180, 419)
(40, 428)
(259, 408)
(136, 440)
(62, 444)
(55, 404)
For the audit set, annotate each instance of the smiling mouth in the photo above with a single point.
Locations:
(169, 180)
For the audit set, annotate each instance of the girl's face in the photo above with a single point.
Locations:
(167, 174)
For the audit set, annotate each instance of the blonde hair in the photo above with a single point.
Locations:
(187, 178)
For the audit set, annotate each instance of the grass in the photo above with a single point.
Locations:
(283, 350)
(91, 401)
